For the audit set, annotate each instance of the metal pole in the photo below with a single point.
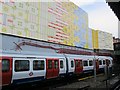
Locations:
(94, 67)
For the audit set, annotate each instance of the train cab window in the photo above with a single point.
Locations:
(85, 63)
(103, 62)
(100, 62)
(50, 64)
(61, 64)
(5, 65)
(56, 64)
(38, 65)
(21, 65)
(90, 63)
(72, 64)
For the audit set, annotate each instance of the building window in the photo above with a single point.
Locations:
(5, 65)
(61, 64)
(50, 64)
(56, 64)
(38, 65)
(72, 64)
(90, 63)
(85, 63)
(21, 65)
(100, 62)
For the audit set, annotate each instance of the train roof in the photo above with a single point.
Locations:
(34, 55)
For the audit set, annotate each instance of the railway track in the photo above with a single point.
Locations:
(54, 83)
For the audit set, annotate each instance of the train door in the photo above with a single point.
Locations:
(39, 69)
(81, 66)
(52, 68)
(6, 70)
(22, 69)
(78, 66)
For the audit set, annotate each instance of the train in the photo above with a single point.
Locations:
(24, 68)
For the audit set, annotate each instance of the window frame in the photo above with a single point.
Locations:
(81, 63)
(39, 63)
(90, 61)
(21, 69)
(49, 64)
(56, 64)
(100, 62)
(62, 64)
(72, 63)
(77, 63)
(104, 62)
(5, 71)
(84, 62)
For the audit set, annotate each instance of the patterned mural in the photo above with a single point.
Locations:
(58, 22)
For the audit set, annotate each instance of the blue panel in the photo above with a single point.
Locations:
(82, 27)
(28, 80)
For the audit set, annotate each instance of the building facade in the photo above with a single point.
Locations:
(57, 22)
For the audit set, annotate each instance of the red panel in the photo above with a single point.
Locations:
(6, 76)
(81, 66)
(97, 65)
(51, 70)
(78, 66)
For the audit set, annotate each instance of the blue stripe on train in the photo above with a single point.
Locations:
(28, 80)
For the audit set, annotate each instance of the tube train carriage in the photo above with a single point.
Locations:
(19, 69)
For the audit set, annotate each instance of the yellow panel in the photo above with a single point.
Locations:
(95, 39)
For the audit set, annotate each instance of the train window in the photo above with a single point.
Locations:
(81, 63)
(108, 61)
(103, 62)
(100, 62)
(56, 64)
(38, 65)
(5, 65)
(90, 63)
(77, 64)
(72, 64)
(21, 65)
(50, 64)
(61, 64)
(85, 63)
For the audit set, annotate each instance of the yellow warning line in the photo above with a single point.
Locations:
(81, 79)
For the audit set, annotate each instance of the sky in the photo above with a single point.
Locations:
(101, 17)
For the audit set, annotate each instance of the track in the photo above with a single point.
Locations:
(54, 83)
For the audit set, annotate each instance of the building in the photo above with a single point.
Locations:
(56, 22)
(102, 40)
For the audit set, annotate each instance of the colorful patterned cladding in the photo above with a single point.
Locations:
(58, 22)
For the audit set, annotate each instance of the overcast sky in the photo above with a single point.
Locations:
(101, 16)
